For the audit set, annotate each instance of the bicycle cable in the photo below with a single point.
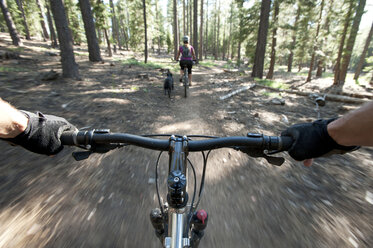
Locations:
(156, 182)
(193, 198)
(205, 158)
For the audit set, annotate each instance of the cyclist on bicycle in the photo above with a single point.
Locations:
(187, 58)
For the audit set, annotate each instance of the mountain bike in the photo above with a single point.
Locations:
(178, 224)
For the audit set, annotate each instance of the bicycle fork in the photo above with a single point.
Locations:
(179, 239)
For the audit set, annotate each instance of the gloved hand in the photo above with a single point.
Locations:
(43, 133)
(312, 140)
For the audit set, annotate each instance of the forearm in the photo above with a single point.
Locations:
(12, 121)
(354, 128)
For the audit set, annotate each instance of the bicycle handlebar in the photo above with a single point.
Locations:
(251, 142)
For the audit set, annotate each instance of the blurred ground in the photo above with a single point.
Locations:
(105, 200)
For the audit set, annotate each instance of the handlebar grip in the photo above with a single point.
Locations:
(69, 138)
(287, 142)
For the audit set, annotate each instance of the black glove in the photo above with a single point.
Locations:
(312, 140)
(43, 133)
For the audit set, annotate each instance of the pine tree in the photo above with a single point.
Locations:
(363, 53)
(69, 66)
(274, 39)
(351, 42)
(90, 31)
(316, 41)
(25, 24)
(342, 42)
(51, 27)
(10, 24)
(175, 29)
(146, 33)
(262, 40)
(42, 22)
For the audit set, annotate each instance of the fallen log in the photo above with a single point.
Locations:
(248, 87)
(328, 97)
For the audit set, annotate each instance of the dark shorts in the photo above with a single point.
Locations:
(188, 64)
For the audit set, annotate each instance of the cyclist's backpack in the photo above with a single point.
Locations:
(187, 53)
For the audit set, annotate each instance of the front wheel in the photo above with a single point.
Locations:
(185, 89)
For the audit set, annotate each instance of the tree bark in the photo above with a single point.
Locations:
(230, 30)
(10, 24)
(341, 45)
(70, 68)
(42, 22)
(201, 34)
(190, 19)
(20, 7)
(294, 39)
(90, 31)
(274, 40)
(207, 28)
(176, 32)
(115, 29)
(110, 53)
(146, 31)
(195, 28)
(316, 40)
(240, 16)
(362, 57)
(184, 23)
(53, 35)
(321, 63)
(262, 40)
(351, 41)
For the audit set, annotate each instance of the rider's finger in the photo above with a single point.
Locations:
(308, 162)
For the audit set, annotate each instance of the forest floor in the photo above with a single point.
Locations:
(105, 201)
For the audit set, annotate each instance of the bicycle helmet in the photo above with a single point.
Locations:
(186, 39)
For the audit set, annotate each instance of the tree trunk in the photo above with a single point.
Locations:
(351, 41)
(362, 57)
(176, 36)
(146, 32)
(274, 40)
(187, 17)
(184, 23)
(262, 40)
(294, 39)
(20, 7)
(230, 30)
(10, 24)
(42, 22)
(110, 53)
(201, 34)
(341, 45)
(70, 68)
(114, 24)
(195, 27)
(218, 34)
(51, 27)
(240, 17)
(321, 65)
(90, 31)
(207, 28)
(191, 19)
(316, 40)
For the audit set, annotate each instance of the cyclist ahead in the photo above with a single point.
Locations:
(186, 60)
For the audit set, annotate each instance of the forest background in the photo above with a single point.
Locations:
(326, 36)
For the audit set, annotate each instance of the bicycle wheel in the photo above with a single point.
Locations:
(186, 82)
(169, 93)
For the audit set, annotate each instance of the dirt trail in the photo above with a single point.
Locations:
(105, 200)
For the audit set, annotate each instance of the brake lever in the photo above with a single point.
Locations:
(102, 148)
(278, 161)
